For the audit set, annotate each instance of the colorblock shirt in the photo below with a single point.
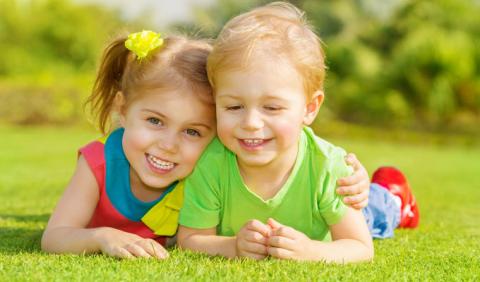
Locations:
(216, 196)
(117, 206)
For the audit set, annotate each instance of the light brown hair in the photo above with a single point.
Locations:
(278, 29)
(179, 62)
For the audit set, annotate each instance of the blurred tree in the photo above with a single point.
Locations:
(394, 62)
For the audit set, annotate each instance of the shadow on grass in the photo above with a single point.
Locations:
(21, 239)
(26, 217)
(15, 240)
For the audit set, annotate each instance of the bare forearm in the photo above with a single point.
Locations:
(72, 240)
(341, 251)
(210, 244)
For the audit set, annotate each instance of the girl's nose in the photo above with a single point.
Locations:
(169, 142)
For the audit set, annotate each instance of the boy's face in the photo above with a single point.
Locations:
(165, 133)
(261, 111)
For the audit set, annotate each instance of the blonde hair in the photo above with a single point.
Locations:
(278, 29)
(180, 62)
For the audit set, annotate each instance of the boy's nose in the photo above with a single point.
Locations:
(252, 120)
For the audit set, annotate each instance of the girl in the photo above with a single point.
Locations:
(266, 186)
(124, 196)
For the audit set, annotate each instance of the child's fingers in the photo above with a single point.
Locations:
(280, 242)
(255, 237)
(246, 247)
(349, 180)
(153, 248)
(285, 231)
(357, 198)
(137, 251)
(279, 253)
(351, 159)
(274, 224)
(121, 253)
(360, 205)
(255, 225)
(350, 190)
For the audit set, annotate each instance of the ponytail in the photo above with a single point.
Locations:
(108, 83)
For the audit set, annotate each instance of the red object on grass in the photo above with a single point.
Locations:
(395, 181)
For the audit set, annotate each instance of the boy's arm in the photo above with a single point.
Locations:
(206, 241)
(66, 230)
(351, 242)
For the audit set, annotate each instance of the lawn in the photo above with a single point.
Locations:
(36, 163)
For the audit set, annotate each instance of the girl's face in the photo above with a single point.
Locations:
(260, 112)
(165, 134)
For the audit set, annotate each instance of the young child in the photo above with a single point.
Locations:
(163, 100)
(125, 195)
(266, 187)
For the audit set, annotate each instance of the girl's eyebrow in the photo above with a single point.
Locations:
(201, 125)
(154, 112)
(197, 124)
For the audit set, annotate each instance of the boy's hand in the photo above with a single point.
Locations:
(252, 240)
(356, 186)
(121, 244)
(288, 243)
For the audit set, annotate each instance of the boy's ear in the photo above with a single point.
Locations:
(312, 107)
(119, 107)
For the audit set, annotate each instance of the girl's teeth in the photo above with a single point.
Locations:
(158, 163)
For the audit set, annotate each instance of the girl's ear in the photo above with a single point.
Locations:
(119, 107)
(312, 107)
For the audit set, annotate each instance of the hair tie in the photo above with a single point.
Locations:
(142, 43)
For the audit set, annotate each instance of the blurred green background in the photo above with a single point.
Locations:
(395, 64)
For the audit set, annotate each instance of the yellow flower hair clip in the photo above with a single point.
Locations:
(142, 43)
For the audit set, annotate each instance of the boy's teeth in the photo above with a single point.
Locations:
(158, 163)
(253, 141)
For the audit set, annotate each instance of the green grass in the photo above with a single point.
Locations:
(36, 163)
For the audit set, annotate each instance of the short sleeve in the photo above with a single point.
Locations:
(94, 155)
(330, 204)
(201, 207)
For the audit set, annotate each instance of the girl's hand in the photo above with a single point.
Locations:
(251, 240)
(288, 243)
(355, 187)
(122, 244)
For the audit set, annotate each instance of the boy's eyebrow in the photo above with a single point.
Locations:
(198, 124)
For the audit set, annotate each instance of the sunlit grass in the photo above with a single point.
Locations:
(35, 164)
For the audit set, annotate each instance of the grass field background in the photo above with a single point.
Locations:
(36, 163)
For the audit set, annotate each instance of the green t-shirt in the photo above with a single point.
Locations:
(216, 196)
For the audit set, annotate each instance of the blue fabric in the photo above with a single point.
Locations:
(117, 180)
(382, 213)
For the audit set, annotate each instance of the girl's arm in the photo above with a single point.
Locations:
(66, 230)
(351, 242)
(355, 187)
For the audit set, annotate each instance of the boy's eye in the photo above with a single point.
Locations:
(234, 108)
(154, 120)
(272, 108)
(192, 132)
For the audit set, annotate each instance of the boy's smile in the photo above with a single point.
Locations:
(261, 111)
